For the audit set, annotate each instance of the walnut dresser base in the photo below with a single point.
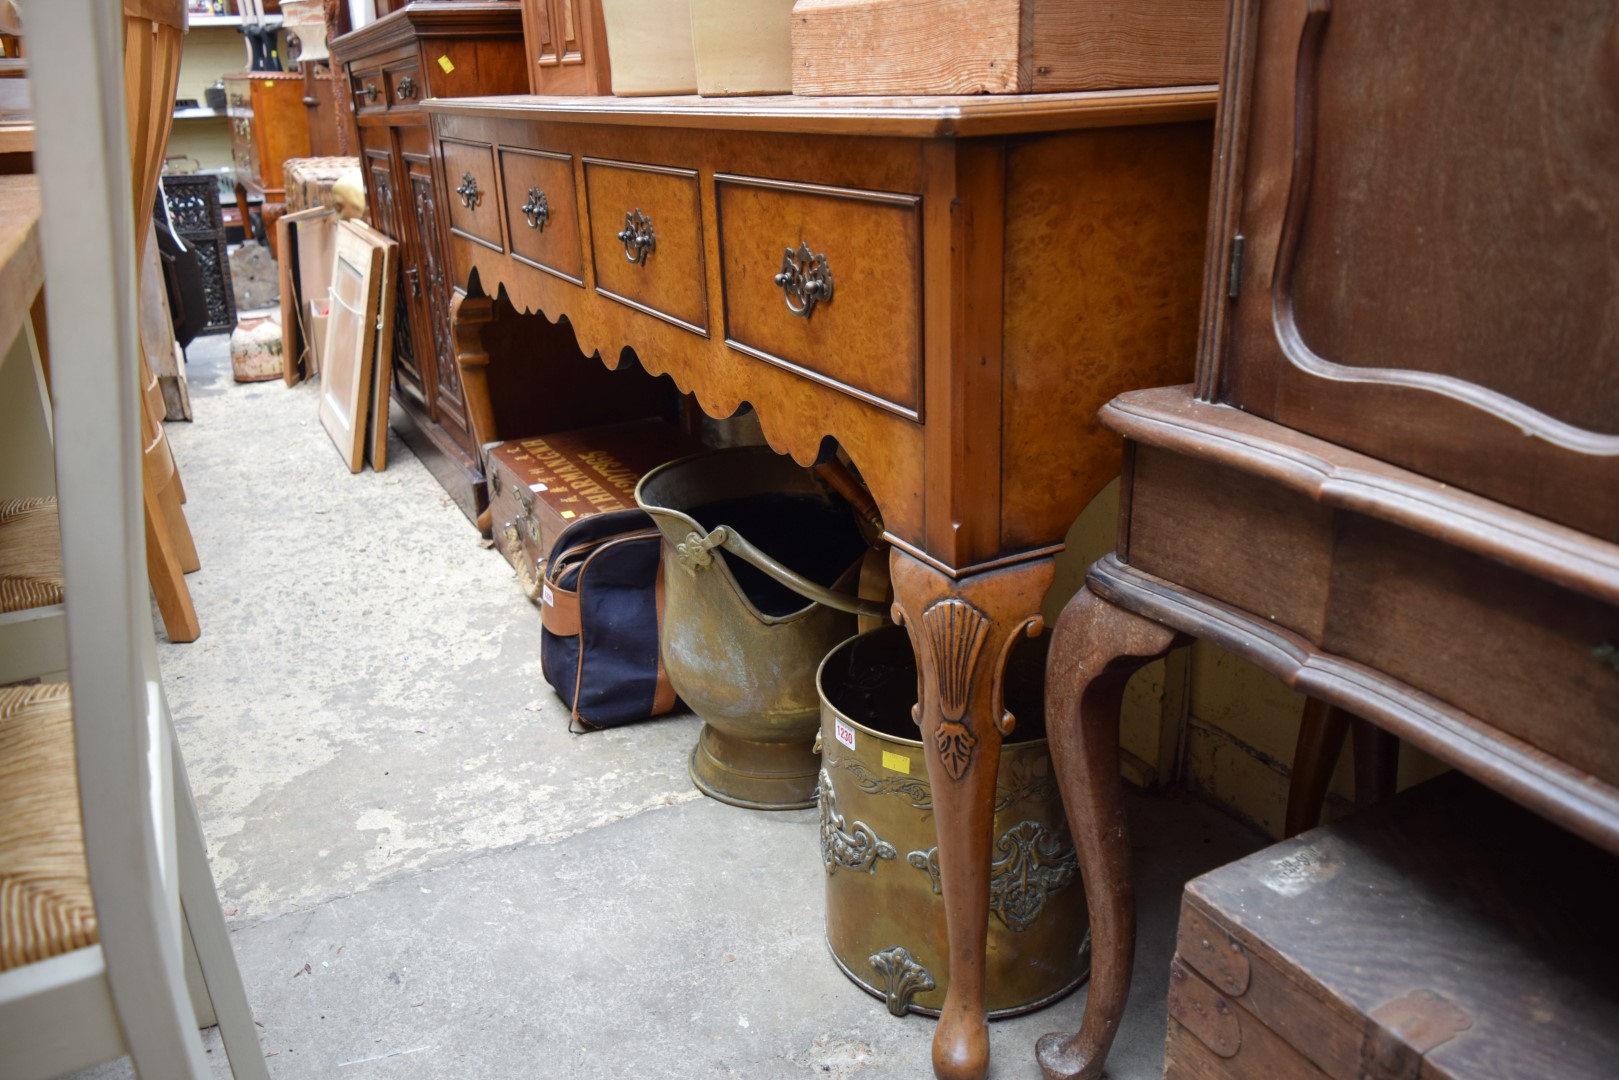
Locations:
(948, 287)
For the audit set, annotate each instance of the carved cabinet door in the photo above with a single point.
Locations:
(387, 214)
(449, 403)
(1419, 255)
(567, 47)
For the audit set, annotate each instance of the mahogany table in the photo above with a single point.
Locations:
(949, 287)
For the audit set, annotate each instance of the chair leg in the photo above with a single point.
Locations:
(168, 581)
(1322, 731)
(1377, 762)
(206, 932)
(185, 548)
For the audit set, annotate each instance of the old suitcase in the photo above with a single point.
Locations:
(537, 486)
(1447, 935)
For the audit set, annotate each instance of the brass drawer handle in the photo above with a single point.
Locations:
(805, 280)
(468, 191)
(371, 91)
(637, 237)
(536, 209)
(406, 88)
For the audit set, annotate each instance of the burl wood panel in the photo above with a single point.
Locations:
(472, 166)
(1432, 316)
(867, 340)
(667, 280)
(1101, 228)
(1002, 46)
(551, 242)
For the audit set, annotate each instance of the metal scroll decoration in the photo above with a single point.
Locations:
(637, 237)
(1034, 863)
(907, 787)
(406, 90)
(536, 209)
(854, 848)
(805, 280)
(903, 977)
(468, 191)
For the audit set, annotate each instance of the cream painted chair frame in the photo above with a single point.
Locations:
(129, 994)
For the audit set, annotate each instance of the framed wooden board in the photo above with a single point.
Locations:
(304, 240)
(351, 335)
(382, 364)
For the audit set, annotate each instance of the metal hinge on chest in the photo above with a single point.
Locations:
(1399, 1032)
(1234, 271)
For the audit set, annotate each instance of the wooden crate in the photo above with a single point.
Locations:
(1004, 46)
(1447, 935)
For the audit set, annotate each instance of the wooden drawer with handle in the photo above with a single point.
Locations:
(646, 239)
(469, 172)
(542, 212)
(826, 282)
(370, 90)
(406, 88)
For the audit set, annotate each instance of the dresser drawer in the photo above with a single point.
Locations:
(406, 87)
(542, 212)
(826, 282)
(370, 90)
(646, 238)
(469, 173)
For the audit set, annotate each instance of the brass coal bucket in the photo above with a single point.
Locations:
(759, 561)
(884, 914)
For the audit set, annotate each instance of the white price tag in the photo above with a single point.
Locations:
(546, 597)
(844, 732)
(538, 488)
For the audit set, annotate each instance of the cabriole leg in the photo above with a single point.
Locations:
(1095, 649)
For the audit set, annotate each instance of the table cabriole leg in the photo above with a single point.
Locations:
(1095, 648)
(962, 631)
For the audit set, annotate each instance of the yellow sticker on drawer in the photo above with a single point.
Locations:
(567, 515)
(896, 762)
(444, 62)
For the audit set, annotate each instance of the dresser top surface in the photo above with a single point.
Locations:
(910, 117)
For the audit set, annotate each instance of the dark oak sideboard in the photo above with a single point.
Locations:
(388, 68)
(948, 287)
(1395, 482)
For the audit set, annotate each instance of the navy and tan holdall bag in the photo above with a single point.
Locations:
(601, 604)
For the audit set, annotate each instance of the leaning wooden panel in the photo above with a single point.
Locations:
(345, 376)
(382, 365)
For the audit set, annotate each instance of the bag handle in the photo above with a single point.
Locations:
(694, 552)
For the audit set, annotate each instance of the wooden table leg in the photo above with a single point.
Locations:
(1095, 649)
(962, 631)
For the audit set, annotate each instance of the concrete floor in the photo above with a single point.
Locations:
(427, 876)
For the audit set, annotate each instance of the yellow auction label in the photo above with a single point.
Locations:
(444, 62)
(896, 762)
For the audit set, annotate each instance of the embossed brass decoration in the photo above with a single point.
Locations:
(857, 848)
(406, 90)
(468, 191)
(903, 977)
(955, 744)
(955, 632)
(805, 280)
(536, 209)
(1033, 864)
(914, 789)
(637, 237)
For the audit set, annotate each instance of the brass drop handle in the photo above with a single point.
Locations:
(468, 191)
(637, 237)
(406, 88)
(371, 91)
(805, 280)
(536, 209)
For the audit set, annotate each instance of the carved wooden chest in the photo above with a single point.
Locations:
(1447, 934)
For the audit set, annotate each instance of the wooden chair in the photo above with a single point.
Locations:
(108, 887)
(152, 31)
